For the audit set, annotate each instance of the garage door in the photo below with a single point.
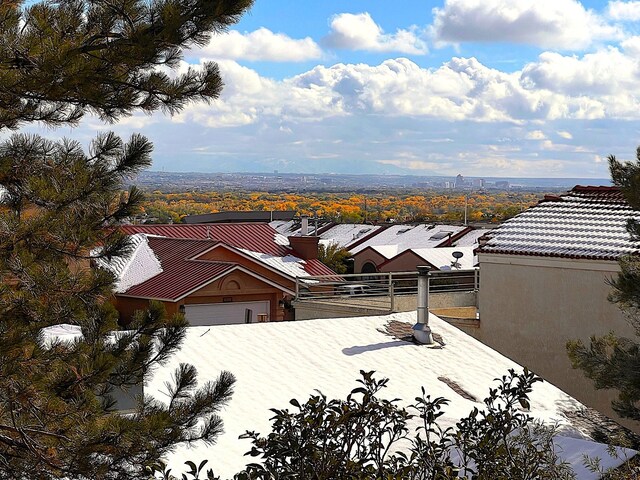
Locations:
(224, 313)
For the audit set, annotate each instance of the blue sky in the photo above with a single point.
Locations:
(520, 88)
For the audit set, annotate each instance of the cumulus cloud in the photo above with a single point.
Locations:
(359, 32)
(606, 79)
(599, 85)
(625, 11)
(556, 24)
(262, 45)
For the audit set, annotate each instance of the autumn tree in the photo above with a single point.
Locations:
(60, 60)
(334, 256)
(612, 361)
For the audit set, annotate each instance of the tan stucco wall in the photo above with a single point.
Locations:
(531, 306)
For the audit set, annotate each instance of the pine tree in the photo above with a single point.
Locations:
(612, 361)
(61, 60)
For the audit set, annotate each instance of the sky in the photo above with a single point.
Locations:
(496, 88)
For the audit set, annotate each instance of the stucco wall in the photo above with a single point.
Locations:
(531, 306)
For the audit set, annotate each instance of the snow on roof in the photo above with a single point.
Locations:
(585, 223)
(289, 264)
(137, 267)
(275, 362)
(346, 233)
(410, 236)
(442, 257)
(471, 239)
(285, 227)
(63, 332)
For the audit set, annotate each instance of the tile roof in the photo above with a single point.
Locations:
(257, 237)
(586, 223)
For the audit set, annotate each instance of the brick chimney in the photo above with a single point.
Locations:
(305, 247)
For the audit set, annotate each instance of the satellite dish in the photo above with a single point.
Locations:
(457, 255)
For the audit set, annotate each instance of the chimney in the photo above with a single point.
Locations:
(421, 330)
(304, 229)
(305, 247)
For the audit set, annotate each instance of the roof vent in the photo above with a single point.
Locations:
(404, 230)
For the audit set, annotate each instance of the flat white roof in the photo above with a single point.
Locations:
(275, 362)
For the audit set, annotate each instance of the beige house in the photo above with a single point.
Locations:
(544, 281)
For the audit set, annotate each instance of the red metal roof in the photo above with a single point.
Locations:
(257, 237)
(179, 275)
(316, 267)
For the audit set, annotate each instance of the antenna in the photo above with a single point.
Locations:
(457, 256)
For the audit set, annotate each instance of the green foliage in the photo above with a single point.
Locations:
(612, 361)
(368, 437)
(58, 61)
(334, 257)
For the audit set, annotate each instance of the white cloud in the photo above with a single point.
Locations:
(261, 44)
(536, 135)
(555, 24)
(629, 11)
(413, 164)
(600, 85)
(359, 32)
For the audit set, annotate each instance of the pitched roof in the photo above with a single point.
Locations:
(180, 275)
(257, 237)
(274, 362)
(442, 257)
(404, 237)
(585, 223)
(344, 234)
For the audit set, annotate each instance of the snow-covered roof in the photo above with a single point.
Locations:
(470, 239)
(443, 256)
(344, 234)
(137, 267)
(275, 362)
(405, 237)
(285, 227)
(584, 223)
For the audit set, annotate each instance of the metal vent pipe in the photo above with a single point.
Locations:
(421, 330)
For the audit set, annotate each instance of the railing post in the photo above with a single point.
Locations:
(297, 288)
(392, 299)
(476, 279)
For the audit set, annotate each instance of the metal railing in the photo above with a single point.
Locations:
(381, 289)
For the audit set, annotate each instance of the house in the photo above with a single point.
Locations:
(275, 362)
(544, 280)
(437, 258)
(371, 252)
(214, 274)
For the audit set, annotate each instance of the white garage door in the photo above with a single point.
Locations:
(224, 313)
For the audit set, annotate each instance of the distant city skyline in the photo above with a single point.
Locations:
(520, 88)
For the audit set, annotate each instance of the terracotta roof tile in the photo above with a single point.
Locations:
(587, 222)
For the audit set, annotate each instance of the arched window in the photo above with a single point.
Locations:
(369, 267)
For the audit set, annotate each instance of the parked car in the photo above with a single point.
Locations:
(353, 289)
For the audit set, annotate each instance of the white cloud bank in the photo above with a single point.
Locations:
(261, 44)
(604, 84)
(554, 24)
(625, 11)
(359, 32)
